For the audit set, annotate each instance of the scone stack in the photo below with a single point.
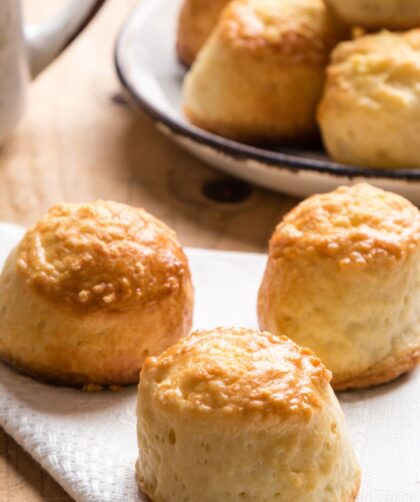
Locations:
(285, 71)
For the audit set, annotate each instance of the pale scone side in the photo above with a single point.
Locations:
(370, 112)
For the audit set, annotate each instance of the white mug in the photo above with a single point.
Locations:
(25, 52)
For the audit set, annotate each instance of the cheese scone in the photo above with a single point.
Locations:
(370, 111)
(90, 292)
(343, 278)
(237, 415)
(377, 14)
(196, 21)
(260, 75)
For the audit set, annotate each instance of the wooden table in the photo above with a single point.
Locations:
(79, 141)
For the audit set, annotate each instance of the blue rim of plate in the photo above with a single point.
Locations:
(241, 151)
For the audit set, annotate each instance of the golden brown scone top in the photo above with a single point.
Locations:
(101, 255)
(298, 31)
(237, 371)
(384, 68)
(352, 225)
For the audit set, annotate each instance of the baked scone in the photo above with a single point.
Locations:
(343, 278)
(90, 292)
(196, 21)
(259, 77)
(377, 14)
(238, 415)
(370, 112)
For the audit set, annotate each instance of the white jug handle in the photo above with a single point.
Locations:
(46, 41)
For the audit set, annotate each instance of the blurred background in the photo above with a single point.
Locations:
(79, 141)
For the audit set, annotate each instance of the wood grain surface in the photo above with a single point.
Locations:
(80, 141)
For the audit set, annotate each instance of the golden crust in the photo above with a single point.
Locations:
(196, 21)
(238, 371)
(101, 255)
(297, 32)
(382, 373)
(352, 225)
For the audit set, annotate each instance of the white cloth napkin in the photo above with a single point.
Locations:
(87, 441)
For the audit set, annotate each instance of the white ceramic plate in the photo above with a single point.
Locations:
(149, 71)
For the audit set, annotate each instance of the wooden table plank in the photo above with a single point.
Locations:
(79, 141)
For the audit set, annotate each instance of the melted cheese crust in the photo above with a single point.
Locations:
(352, 225)
(238, 371)
(101, 255)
